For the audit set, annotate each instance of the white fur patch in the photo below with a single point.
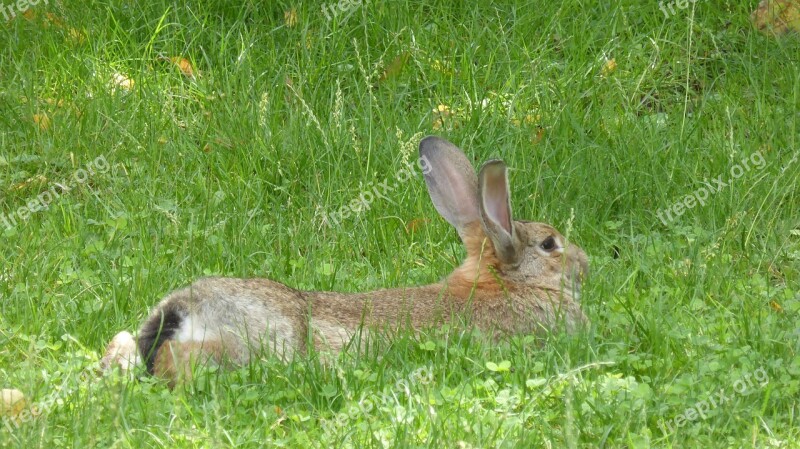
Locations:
(194, 329)
(121, 352)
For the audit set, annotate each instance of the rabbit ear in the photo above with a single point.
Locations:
(495, 208)
(451, 182)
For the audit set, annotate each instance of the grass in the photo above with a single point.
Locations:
(233, 172)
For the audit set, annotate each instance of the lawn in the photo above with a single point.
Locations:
(146, 144)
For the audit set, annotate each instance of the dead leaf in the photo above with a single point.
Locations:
(53, 19)
(529, 119)
(415, 224)
(536, 138)
(290, 17)
(12, 402)
(38, 180)
(184, 65)
(288, 97)
(53, 102)
(777, 17)
(225, 143)
(74, 34)
(121, 80)
(42, 120)
(395, 67)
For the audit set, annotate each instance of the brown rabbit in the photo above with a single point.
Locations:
(518, 277)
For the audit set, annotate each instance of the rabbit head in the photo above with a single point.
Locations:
(501, 251)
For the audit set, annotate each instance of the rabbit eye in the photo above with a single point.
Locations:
(548, 244)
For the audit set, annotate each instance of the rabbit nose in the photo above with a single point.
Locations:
(579, 264)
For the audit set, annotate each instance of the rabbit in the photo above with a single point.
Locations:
(519, 277)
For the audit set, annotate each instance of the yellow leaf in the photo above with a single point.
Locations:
(442, 114)
(76, 35)
(609, 67)
(290, 17)
(441, 67)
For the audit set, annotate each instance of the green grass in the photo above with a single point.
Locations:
(232, 173)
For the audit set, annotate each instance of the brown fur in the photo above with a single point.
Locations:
(177, 361)
(474, 274)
